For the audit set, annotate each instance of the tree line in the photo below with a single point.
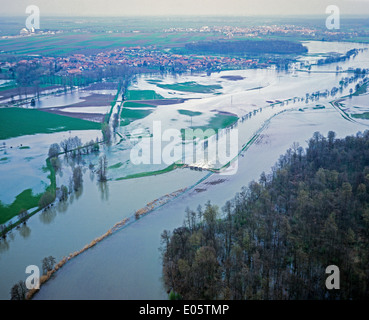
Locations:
(247, 46)
(277, 236)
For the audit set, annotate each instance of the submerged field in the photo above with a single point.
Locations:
(190, 87)
(17, 122)
(216, 122)
(142, 95)
(128, 115)
(24, 201)
(129, 186)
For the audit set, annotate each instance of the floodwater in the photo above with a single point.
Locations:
(23, 168)
(127, 264)
(68, 226)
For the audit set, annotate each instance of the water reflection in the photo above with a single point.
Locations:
(48, 215)
(24, 231)
(104, 190)
(62, 206)
(4, 245)
(79, 192)
(92, 175)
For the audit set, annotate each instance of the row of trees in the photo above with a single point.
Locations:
(247, 46)
(30, 77)
(76, 146)
(278, 235)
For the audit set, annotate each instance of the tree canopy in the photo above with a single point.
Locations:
(276, 238)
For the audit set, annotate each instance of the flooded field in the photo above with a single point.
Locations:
(273, 111)
(127, 265)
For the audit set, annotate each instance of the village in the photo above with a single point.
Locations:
(147, 57)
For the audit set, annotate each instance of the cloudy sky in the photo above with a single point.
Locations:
(182, 7)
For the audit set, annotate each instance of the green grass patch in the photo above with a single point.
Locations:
(17, 122)
(364, 115)
(116, 166)
(8, 86)
(361, 90)
(151, 173)
(191, 87)
(143, 95)
(23, 201)
(128, 115)
(27, 200)
(190, 113)
(130, 104)
(4, 159)
(153, 81)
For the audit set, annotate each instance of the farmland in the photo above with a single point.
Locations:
(90, 43)
(26, 121)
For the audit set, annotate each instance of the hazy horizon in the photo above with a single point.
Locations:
(118, 8)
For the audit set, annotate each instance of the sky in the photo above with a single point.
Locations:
(182, 7)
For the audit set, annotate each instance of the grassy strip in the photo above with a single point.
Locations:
(190, 87)
(130, 104)
(152, 173)
(18, 122)
(116, 166)
(9, 86)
